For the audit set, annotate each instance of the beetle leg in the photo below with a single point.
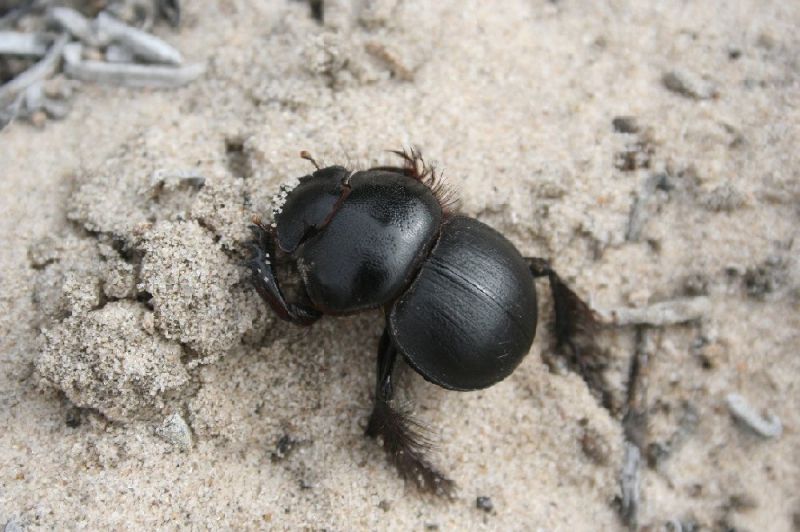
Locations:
(575, 328)
(413, 165)
(404, 439)
(266, 284)
(573, 315)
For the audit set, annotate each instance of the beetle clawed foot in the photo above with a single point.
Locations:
(258, 254)
(405, 442)
(262, 236)
(265, 281)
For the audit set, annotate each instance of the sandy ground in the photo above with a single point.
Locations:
(142, 382)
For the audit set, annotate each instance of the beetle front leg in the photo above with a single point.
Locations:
(266, 284)
(403, 438)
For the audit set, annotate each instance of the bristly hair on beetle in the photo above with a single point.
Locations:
(415, 166)
(406, 441)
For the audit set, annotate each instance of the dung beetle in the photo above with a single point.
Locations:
(458, 298)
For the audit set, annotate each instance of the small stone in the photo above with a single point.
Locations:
(742, 502)
(766, 41)
(635, 155)
(695, 284)
(625, 124)
(656, 453)
(484, 503)
(594, 446)
(711, 356)
(724, 198)
(689, 85)
(38, 118)
(73, 418)
(283, 448)
(734, 54)
(765, 278)
(175, 431)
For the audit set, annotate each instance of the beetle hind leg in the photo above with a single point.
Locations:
(576, 326)
(574, 318)
(403, 438)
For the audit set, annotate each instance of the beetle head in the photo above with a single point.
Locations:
(301, 210)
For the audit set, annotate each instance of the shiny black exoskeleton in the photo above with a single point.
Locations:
(459, 299)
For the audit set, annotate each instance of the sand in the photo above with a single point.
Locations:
(649, 150)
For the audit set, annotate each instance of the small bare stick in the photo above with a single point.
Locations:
(75, 23)
(133, 75)
(38, 72)
(24, 44)
(630, 480)
(660, 314)
(635, 420)
(768, 426)
(143, 45)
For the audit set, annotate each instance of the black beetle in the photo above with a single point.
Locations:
(458, 297)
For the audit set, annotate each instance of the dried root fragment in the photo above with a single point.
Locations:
(23, 44)
(630, 481)
(38, 72)
(134, 75)
(74, 23)
(660, 314)
(767, 426)
(689, 85)
(636, 409)
(149, 48)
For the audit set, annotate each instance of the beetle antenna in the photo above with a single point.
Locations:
(307, 156)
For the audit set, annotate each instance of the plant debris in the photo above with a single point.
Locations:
(767, 426)
(134, 75)
(105, 49)
(25, 44)
(630, 482)
(689, 85)
(484, 503)
(176, 431)
(660, 314)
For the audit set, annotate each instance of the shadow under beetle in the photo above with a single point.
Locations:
(458, 297)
